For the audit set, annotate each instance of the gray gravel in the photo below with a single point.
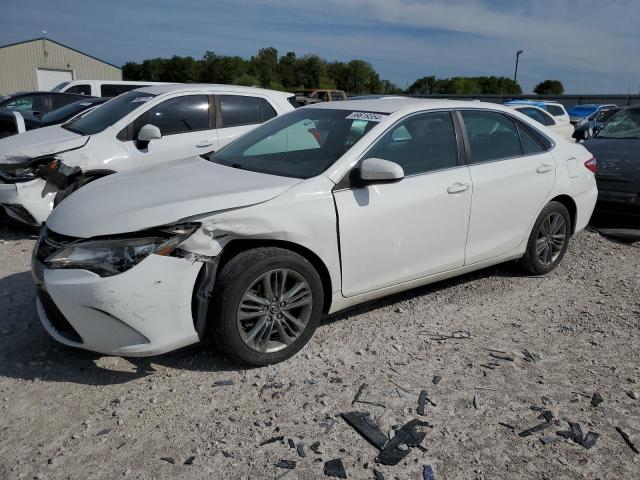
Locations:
(66, 413)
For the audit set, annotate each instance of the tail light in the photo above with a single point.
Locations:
(591, 164)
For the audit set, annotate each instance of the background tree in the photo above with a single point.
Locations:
(549, 87)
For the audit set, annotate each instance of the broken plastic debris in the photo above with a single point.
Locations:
(436, 379)
(547, 415)
(189, 461)
(168, 460)
(315, 447)
(300, 450)
(223, 383)
(590, 440)
(377, 475)
(408, 435)
(537, 428)
(501, 357)
(427, 473)
(476, 402)
(288, 464)
(596, 399)
(365, 426)
(574, 434)
(272, 440)
(335, 468)
(627, 440)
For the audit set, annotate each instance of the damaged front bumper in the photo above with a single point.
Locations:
(28, 202)
(147, 310)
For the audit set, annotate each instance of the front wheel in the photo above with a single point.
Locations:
(549, 240)
(267, 304)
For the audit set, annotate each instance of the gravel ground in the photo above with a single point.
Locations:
(66, 413)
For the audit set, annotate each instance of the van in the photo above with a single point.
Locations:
(101, 88)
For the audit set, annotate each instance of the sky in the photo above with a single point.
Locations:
(591, 46)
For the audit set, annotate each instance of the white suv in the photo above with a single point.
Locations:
(139, 128)
(102, 88)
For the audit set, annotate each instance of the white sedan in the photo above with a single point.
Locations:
(561, 127)
(315, 211)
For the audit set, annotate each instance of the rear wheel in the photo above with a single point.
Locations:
(549, 240)
(267, 304)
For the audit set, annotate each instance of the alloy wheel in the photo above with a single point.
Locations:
(551, 238)
(274, 310)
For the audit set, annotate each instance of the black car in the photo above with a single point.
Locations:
(594, 122)
(39, 102)
(9, 122)
(616, 147)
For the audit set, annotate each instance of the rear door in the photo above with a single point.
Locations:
(186, 124)
(512, 176)
(238, 114)
(397, 232)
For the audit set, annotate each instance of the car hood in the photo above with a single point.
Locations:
(617, 158)
(160, 195)
(18, 149)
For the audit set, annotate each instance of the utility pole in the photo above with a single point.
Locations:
(515, 75)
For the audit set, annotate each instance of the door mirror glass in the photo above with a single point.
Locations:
(377, 170)
(149, 132)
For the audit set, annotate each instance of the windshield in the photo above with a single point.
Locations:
(605, 115)
(300, 144)
(625, 124)
(61, 114)
(109, 113)
(59, 87)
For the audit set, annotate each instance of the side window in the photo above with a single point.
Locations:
(113, 90)
(537, 115)
(177, 115)
(336, 96)
(420, 144)
(267, 110)
(530, 146)
(324, 96)
(83, 89)
(492, 136)
(21, 103)
(239, 110)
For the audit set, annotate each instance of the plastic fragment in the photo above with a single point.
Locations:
(335, 468)
(590, 440)
(288, 464)
(627, 440)
(537, 428)
(365, 426)
(596, 399)
(272, 440)
(427, 473)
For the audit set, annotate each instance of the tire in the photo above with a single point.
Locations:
(546, 231)
(243, 279)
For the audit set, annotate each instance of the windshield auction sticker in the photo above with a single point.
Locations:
(370, 117)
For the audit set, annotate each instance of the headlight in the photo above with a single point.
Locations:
(111, 256)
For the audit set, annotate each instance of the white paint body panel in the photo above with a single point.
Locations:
(398, 220)
(372, 241)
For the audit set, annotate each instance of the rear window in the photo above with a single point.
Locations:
(555, 110)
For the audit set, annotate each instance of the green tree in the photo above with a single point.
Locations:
(549, 87)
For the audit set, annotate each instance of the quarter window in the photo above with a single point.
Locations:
(420, 144)
(530, 146)
(177, 115)
(239, 110)
(80, 89)
(267, 110)
(492, 136)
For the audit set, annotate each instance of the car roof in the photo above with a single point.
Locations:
(209, 87)
(393, 104)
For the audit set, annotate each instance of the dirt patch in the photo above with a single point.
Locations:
(523, 346)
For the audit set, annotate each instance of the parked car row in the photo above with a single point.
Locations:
(186, 212)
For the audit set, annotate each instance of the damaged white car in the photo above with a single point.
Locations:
(148, 126)
(317, 210)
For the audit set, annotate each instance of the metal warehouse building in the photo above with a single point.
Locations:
(41, 64)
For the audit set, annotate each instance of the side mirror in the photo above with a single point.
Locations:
(149, 132)
(377, 170)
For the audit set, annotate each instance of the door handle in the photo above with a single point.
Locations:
(544, 168)
(458, 188)
(204, 144)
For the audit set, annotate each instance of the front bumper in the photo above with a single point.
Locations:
(144, 311)
(28, 202)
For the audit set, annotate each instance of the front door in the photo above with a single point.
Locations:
(394, 233)
(185, 124)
